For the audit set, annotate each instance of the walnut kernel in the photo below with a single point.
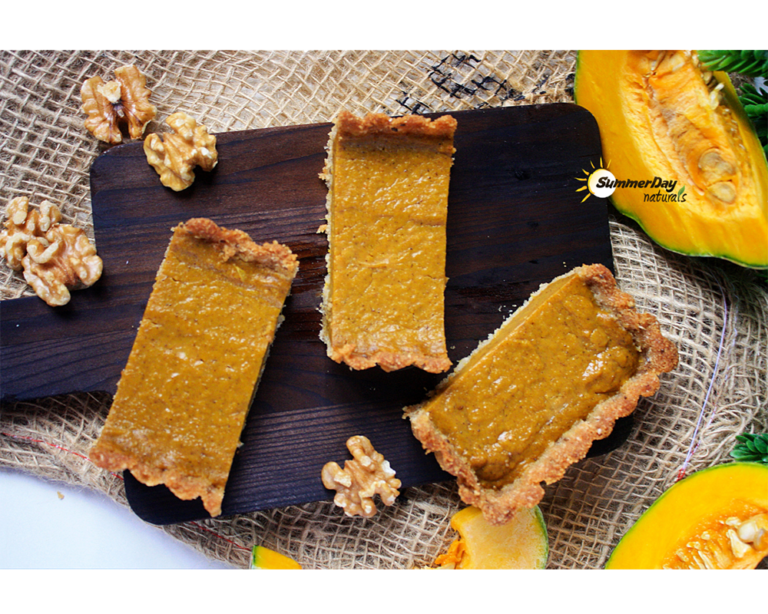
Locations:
(22, 225)
(116, 104)
(368, 474)
(54, 257)
(174, 156)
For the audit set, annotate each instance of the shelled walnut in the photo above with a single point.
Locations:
(22, 225)
(174, 156)
(54, 257)
(368, 474)
(112, 106)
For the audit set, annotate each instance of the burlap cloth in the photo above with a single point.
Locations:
(715, 312)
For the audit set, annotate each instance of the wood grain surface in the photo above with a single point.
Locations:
(515, 221)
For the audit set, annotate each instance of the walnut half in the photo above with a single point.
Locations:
(174, 156)
(22, 225)
(54, 257)
(368, 474)
(112, 106)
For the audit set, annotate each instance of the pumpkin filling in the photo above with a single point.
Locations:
(184, 394)
(542, 372)
(388, 200)
(695, 134)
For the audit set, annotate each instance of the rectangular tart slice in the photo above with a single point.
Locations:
(184, 394)
(383, 302)
(530, 400)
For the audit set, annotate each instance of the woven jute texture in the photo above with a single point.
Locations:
(715, 312)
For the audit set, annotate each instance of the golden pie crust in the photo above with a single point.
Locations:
(383, 301)
(185, 392)
(484, 422)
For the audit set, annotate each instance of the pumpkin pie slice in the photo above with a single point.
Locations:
(184, 394)
(531, 399)
(387, 207)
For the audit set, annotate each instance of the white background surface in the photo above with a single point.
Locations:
(39, 529)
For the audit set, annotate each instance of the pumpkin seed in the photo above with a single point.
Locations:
(754, 530)
(723, 191)
(713, 163)
(738, 547)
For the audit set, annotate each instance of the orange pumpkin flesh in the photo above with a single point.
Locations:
(519, 544)
(264, 558)
(716, 518)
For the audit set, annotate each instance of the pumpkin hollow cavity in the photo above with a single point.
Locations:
(723, 542)
(696, 136)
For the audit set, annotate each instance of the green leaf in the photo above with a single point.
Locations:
(755, 105)
(752, 447)
(746, 62)
(739, 455)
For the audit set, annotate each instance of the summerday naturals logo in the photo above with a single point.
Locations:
(601, 183)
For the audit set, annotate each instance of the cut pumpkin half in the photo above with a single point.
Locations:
(663, 118)
(716, 518)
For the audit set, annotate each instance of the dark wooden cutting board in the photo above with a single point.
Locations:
(515, 221)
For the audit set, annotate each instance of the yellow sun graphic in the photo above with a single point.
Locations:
(592, 178)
